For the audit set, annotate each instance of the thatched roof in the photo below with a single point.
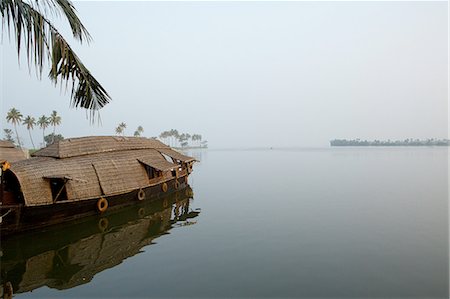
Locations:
(93, 171)
(6, 143)
(10, 153)
(176, 155)
(73, 147)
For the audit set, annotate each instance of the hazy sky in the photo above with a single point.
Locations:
(247, 74)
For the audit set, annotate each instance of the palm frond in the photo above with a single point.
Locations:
(68, 10)
(43, 41)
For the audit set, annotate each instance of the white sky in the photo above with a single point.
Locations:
(247, 74)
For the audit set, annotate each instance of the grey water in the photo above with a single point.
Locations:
(324, 223)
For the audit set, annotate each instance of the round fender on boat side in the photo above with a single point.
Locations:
(141, 194)
(102, 204)
(177, 184)
(164, 187)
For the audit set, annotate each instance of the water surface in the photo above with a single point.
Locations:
(335, 222)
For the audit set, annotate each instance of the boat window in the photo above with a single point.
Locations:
(174, 173)
(58, 187)
(152, 172)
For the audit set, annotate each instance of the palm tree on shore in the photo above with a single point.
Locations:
(43, 43)
(175, 135)
(123, 126)
(55, 120)
(8, 135)
(43, 123)
(163, 136)
(138, 131)
(119, 130)
(30, 121)
(15, 117)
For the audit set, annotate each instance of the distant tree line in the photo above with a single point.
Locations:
(171, 137)
(174, 138)
(406, 142)
(15, 117)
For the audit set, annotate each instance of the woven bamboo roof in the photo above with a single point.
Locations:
(176, 155)
(6, 143)
(73, 147)
(10, 153)
(105, 172)
(161, 165)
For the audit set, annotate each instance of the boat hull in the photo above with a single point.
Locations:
(19, 218)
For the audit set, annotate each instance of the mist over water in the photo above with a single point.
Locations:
(253, 74)
(331, 222)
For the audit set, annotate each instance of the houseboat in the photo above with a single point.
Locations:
(9, 152)
(78, 177)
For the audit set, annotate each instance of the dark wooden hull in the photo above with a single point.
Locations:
(19, 218)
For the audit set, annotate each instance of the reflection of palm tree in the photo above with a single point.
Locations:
(43, 41)
(55, 120)
(43, 123)
(15, 117)
(29, 121)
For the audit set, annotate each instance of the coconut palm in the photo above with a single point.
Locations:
(43, 123)
(196, 137)
(163, 136)
(34, 31)
(30, 121)
(15, 117)
(138, 131)
(175, 135)
(119, 130)
(8, 135)
(123, 126)
(55, 120)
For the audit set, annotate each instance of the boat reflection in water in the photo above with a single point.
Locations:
(69, 255)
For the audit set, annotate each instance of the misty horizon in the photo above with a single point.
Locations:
(252, 74)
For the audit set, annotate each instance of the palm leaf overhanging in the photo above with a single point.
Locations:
(42, 42)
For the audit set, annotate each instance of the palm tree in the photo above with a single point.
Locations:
(138, 131)
(175, 135)
(8, 135)
(197, 137)
(55, 120)
(15, 117)
(123, 126)
(188, 136)
(163, 136)
(43, 123)
(43, 42)
(30, 121)
(119, 130)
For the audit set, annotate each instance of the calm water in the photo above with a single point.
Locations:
(339, 222)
